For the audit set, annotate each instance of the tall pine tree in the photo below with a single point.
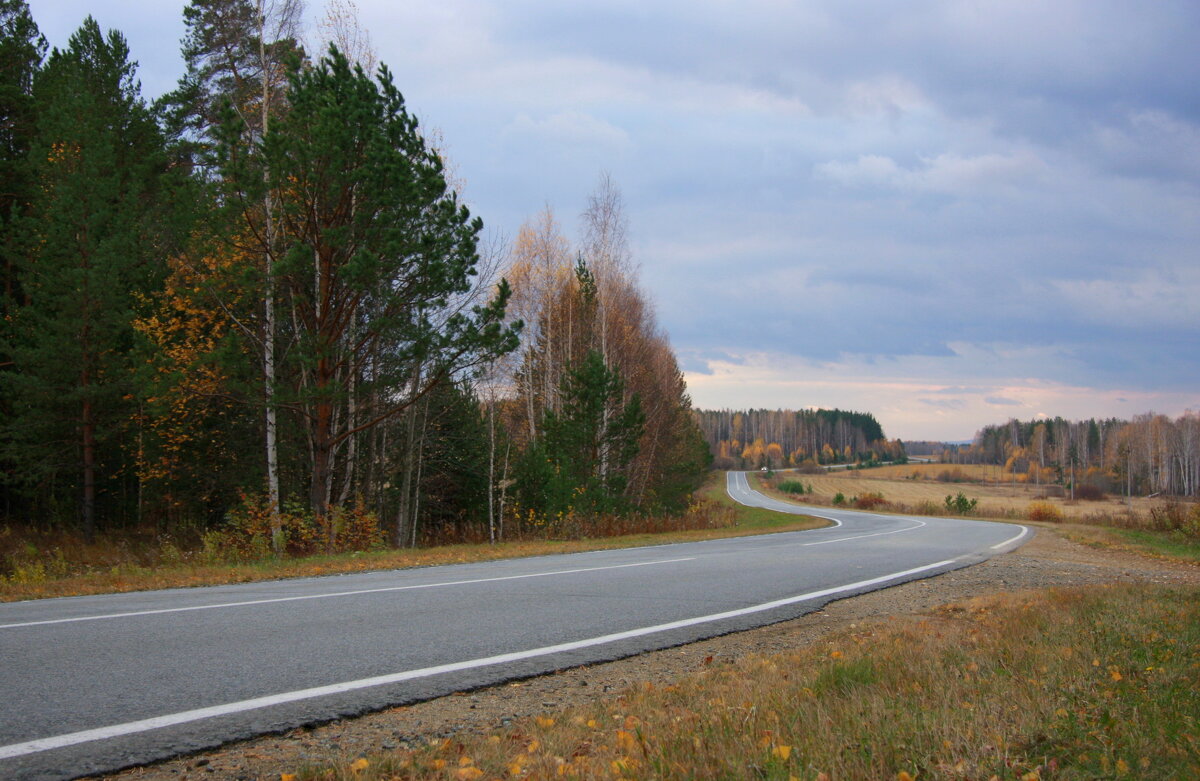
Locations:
(87, 252)
(376, 254)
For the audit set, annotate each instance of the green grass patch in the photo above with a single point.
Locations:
(1072, 684)
(1170, 544)
(757, 519)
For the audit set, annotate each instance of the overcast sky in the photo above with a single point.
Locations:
(944, 213)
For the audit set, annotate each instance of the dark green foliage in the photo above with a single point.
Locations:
(960, 504)
(225, 74)
(374, 253)
(795, 487)
(88, 253)
(684, 464)
(582, 458)
(454, 486)
(21, 51)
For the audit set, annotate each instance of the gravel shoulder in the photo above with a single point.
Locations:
(1049, 560)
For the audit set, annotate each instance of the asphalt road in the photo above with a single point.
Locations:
(93, 684)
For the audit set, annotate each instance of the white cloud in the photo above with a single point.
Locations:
(571, 127)
(948, 172)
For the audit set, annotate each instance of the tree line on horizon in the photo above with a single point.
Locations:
(261, 300)
(1149, 454)
(755, 438)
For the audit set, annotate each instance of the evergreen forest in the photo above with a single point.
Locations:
(258, 307)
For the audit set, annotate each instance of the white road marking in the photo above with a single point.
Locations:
(998, 546)
(874, 534)
(184, 717)
(131, 613)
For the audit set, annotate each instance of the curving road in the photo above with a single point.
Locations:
(93, 684)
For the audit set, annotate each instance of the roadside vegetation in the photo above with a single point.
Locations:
(51, 564)
(1062, 684)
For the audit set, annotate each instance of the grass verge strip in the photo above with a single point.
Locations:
(1098, 683)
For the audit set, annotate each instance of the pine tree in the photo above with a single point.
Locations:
(88, 253)
(21, 51)
(377, 256)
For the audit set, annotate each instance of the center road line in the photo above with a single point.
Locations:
(873, 534)
(273, 600)
(184, 717)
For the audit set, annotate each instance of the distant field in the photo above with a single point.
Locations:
(912, 484)
(974, 472)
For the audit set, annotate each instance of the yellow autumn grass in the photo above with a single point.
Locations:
(1059, 684)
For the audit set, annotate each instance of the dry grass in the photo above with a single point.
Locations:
(1059, 684)
(996, 499)
(938, 472)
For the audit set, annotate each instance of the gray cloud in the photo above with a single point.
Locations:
(1016, 183)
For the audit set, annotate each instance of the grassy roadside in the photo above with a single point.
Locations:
(1098, 683)
(133, 577)
(1163, 545)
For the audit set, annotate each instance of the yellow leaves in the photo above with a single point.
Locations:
(835, 655)
(545, 722)
(517, 766)
(781, 752)
(359, 765)
(623, 765)
(626, 741)
(903, 776)
(287, 777)
(591, 723)
(1114, 674)
(468, 773)
(533, 746)
(438, 764)
(1122, 766)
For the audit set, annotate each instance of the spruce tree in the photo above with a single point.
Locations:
(583, 457)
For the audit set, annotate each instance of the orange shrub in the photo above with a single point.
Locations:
(1045, 511)
(869, 501)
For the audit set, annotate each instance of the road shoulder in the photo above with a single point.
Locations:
(1049, 560)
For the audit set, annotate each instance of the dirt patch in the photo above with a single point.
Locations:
(1048, 560)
